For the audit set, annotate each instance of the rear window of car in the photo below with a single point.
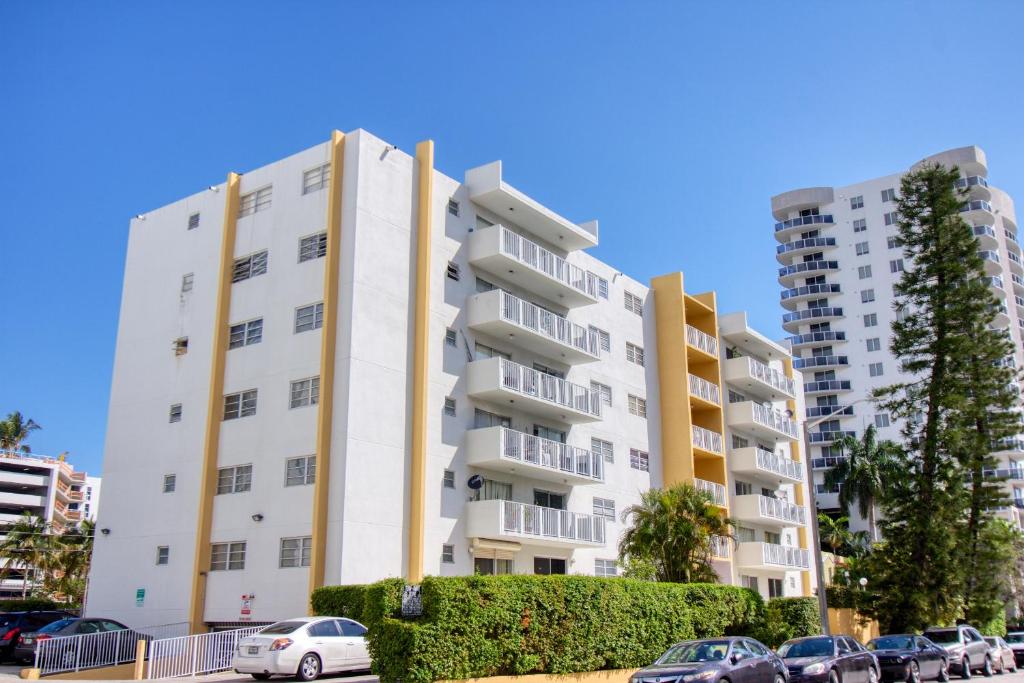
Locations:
(892, 643)
(283, 627)
(55, 626)
(8, 620)
(812, 647)
(944, 635)
(1015, 638)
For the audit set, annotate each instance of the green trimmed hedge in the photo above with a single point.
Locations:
(787, 618)
(340, 601)
(30, 604)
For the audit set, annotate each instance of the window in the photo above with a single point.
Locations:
(244, 334)
(634, 354)
(451, 338)
(453, 271)
(224, 556)
(316, 178)
(484, 351)
(882, 420)
(453, 207)
(634, 304)
(449, 406)
(870, 320)
(637, 406)
(313, 247)
(180, 346)
(249, 266)
(548, 565)
(867, 296)
(893, 242)
(860, 225)
(604, 340)
(604, 507)
(186, 282)
(483, 419)
(743, 488)
(305, 392)
(604, 391)
(242, 404)
(163, 554)
(448, 480)
(874, 344)
(295, 552)
(857, 202)
(175, 414)
(889, 195)
(170, 482)
(738, 441)
(309, 317)
(875, 369)
(236, 479)
(255, 201)
(300, 471)
(896, 266)
(447, 554)
(861, 248)
(863, 272)
(602, 448)
(193, 221)
(483, 286)
(774, 588)
(606, 568)
(602, 288)
(892, 218)
(639, 460)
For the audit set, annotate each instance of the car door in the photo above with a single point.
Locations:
(928, 658)
(977, 648)
(866, 660)
(328, 642)
(743, 663)
(851, 669)
(357, 656)
(764, 668)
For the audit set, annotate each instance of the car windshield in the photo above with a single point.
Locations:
(695, 651)
(1015, 638)
(282, 627)
(946, 635)
(812, 647)
(992, 641)
(55, 626)
(892, 643)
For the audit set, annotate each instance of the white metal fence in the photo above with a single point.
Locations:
(551, 454)
(538, 257)
(534, 520)
(707, 439)
(524, 380)
(203, 653)
(544, 322)
(85, 651)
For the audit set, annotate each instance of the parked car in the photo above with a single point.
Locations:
(305, 648)
(1002, 654)
(968, 651)
(1015, 639)
(829, 659)
(910, 658)
(82, 653)
(740, 660)
(13, 624)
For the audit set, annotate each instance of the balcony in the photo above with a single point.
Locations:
(506, 450)
(702, 341)
(1015, 262)
(991, 261)
(1007, 473)
(811, 339)
(533, 328)
(497, 379)
(1011, 240)
(23, 500)
(771, 557)
(512, 257)
(826, 386)
(792, 321)
(790, 297)
(797, 247)
(826, 463)
(973, 182)
(828, 411)
(771, 511)
(821, 362)
(721, 547)
(764, 464)
(827, 437)
(976, 209)
(1018, 283)
(789, 274)
(707, 440)
(757, 378)
(786, 228)
(997, 286)
(717, 491)
(507, 520)
(986, 235)
(761, 421)
(705, 391)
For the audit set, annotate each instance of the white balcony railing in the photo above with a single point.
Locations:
(524, 380)
(554, 455)
(785, 556)
(721, 546)
(716, 490)
(777, 464)
(551, 325)
(782, 510)
(534, 520)
(536, 256)
(771, 376)
(704, 389)
(707, 439)
(702, 340)
(774, 419)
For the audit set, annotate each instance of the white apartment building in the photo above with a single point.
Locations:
(840, 257)
(346, 365)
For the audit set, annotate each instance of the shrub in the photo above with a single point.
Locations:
(339, 601)
(786, 618)
(30, 604)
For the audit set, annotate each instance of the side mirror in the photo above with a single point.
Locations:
(735, 657)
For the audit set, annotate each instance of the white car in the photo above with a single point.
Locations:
(305, 648)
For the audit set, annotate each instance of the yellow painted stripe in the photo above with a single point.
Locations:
(214, 407)
(328, 345)
(418, 454)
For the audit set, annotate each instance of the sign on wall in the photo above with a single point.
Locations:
(246, 611)
(140, 596)
(412, 602)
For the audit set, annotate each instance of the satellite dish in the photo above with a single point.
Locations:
(476, 482)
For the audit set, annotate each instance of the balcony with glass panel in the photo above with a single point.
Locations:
(502, 381)
(760, 421)
(788, 275)
(837, 411)
(986, 236)
(824, 438)
(1018, 283)
(827, 462)
(1011, 239)
(976, 187)
(990, 259)
(531, 327)
(996, 284)
(1015, 262)
(977, 211)
(792, 321)
(784, 252)
(765, 465)
(827, 386)
(821, 362)
(721, 547)
(768, 511)
(509, 451)
(771, 557)
(533, 525)
(793, 296)
(825, 338)
(757, 378)
(783, 229)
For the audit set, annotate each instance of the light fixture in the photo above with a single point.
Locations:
(105, 531)
(140, 216)
(213, 188)
(258, 517)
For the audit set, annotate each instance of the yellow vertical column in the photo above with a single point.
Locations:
(328, 346)
(676, 423)
(798, 490)
(420, 369)
(214, 408)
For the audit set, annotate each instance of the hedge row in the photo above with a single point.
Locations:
(31, 604)
(478, 626)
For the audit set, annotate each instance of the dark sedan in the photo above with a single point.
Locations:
(81, 652)
(738, 660)
(1015, 639)
(829, 659)
(910, 658)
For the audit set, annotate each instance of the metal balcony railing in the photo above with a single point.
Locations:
(776, 464)
(808, 267)
(813, 313)
(980, 230)
(970, 181)
(826, 336)
(785, 511)
(827, 462)
(976, 205)
(807, 290)
(701, 340)
(826, 411)
(824, 219)
(717, 491)
(707, 439)
(532, 254)
(704, 389)
(774, 419)
(770, 376)
(524, 380)
(534, 520)
(785, 556)
(827, 385)
(807, 243)
(548, 324)
(550, 454)
(721, 546)
(820, 361)
(830, 436)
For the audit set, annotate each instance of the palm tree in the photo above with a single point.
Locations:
(834, 531)
(672, 529)
(26, 548)
(14, 430)
(864, 474)
(68, 562)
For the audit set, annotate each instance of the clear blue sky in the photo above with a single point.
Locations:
(672, 123)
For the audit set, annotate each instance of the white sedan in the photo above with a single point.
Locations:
(305, 648)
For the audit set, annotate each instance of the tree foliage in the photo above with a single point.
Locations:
(864, 475)
(52, 564)
(14, 430)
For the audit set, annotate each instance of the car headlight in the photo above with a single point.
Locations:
(700, 676)
(817, 668)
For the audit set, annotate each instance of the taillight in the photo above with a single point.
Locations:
(10, 635)
(280, 644)
(42, 636)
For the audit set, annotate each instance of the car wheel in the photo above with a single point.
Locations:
(944, 670)
(261, 677)
(872, 675)
(309, 668)
(965, 667)
(779, 679)
(987, 668)
(913, 672)
(833, 676)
